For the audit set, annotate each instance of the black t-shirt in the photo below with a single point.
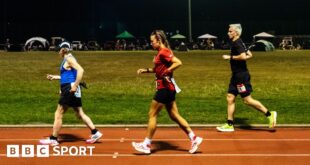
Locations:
(238, 47)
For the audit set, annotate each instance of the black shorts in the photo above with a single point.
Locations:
(67, 98)
(240, 83)
(164, 96)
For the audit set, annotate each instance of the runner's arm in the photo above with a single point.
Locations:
(74, 64)
(53, 77)
(175, 64)
(243, 56)
(145, 70)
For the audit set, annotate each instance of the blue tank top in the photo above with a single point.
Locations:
(67, 76)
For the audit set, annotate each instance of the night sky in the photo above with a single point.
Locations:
(103, 19)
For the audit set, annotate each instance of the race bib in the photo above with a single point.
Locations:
(78, 92)
(241, 88)
(177, 89)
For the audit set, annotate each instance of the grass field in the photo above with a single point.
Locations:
(116, 94)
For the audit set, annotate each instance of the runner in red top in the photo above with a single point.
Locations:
(165, 63)
(162, 61)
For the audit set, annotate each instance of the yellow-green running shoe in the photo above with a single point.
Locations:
(272, 119)
(226, 128)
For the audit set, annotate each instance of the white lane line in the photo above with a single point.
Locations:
(116, 154)
(124, 139)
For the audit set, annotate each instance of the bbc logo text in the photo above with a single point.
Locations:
(28, 151)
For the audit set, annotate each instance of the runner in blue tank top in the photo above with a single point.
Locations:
(67, 76)
(71, 74)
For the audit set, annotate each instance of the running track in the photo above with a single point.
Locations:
(170, 146)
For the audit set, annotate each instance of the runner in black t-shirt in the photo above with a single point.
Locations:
(240, 80)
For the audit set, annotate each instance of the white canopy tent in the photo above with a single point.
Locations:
(207, 36)
(264, 35)
(43, 41)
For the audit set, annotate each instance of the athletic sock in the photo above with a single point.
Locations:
(267, 114)
(94, 131)
(53, 137)
(230, 122)
(147, 141)
(191, 136)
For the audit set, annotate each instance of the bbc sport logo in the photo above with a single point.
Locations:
(28, 151)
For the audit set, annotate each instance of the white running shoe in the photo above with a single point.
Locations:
(49, 141)
(141, 147)
(195, 144)
(94, 138)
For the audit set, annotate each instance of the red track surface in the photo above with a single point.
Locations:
(170, 146)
